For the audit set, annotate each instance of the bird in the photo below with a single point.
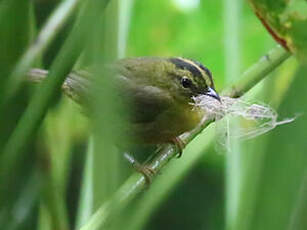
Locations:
(160, 92)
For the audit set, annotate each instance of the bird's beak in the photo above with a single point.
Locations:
(212, 93)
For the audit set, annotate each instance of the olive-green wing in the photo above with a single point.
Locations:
(145, 101)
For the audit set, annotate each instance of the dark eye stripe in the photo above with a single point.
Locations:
(181, 64)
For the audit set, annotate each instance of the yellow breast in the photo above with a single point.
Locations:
(168, 125)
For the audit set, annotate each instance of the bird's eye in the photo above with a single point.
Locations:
(186, 82)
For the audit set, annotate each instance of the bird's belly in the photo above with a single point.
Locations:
(168, 125)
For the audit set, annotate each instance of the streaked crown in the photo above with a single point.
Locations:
(194, 76)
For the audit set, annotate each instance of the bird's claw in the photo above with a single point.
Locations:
(146, 171)
(180, 145)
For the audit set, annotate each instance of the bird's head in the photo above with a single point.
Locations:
(192, 79)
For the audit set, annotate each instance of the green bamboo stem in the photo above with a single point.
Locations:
(104, 169)
(85, 205)
(232, 51)
(257, 72)
(137, 182)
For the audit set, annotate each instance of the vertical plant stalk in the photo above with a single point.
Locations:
(106, 158)
(105, 169)
(232, 13)
(85, 206)
(137, 182)
(125, 11)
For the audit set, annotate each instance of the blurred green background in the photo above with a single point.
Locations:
(58, 179)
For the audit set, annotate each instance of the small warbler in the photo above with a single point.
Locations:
(160, 91)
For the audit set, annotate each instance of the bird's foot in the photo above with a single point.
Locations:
(180, 145)
(144, 169)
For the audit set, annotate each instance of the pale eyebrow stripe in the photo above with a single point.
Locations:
(183, 64)
(208, 82)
